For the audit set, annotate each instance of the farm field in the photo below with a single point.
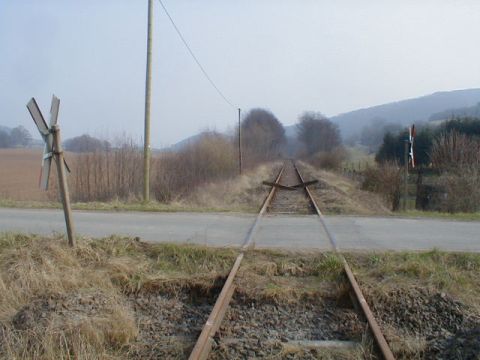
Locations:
(20, 169)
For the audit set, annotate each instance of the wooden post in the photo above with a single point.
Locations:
(62, 181)
(239, 142)
(405, 189)
(148, 90)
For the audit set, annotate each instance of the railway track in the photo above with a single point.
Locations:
(287, 196)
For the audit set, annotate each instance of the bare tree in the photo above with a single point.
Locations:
(317, 133)
(20, 136)
(263, 136)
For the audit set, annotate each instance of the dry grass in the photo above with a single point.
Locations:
(61, 303)
(57, 302)
(453, 273)
(336, 194)
(242, 193)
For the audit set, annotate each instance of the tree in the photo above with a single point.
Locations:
(20, 136)
(317, 133)
(5, 140)
(263, 136)
(85, 143)
(393, 147)
(372, 134)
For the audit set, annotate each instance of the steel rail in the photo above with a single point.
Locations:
(204, 342)
(372, 322)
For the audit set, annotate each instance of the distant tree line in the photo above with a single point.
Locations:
(85, 143)
(16, 137)
(392, 148)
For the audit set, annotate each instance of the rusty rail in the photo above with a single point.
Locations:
(204, 342)
(372, 322)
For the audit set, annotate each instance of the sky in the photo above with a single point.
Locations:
(331, 56)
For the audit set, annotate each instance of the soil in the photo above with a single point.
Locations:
(449, 328)
(168, 326)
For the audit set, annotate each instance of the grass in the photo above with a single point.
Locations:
(152, 206)
(440, 215)
(38, 272)
(450, 272)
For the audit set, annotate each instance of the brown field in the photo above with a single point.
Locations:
(20, 170)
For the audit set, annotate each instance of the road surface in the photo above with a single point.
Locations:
(297, 232)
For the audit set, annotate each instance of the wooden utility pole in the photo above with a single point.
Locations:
(405, 180)
(148, 80)
(62, 181)
(239, 142)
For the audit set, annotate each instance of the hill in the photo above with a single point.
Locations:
(407, 111)
(470, 111)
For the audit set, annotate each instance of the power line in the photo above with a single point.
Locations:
(194, 57)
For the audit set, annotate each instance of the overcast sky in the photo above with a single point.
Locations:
(288, 56)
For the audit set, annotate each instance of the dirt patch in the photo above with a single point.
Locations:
(20, 171)
(336, 194)
(168, 325)
(440, 323)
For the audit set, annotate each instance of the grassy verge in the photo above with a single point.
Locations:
(440, 215)
(152, 206)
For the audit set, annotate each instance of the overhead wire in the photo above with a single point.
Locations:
(195, 58)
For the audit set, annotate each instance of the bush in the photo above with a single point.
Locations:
(212, 157)
(386, 180)
(329, 160)
(108, 174)
(462, 187)
(454, 150)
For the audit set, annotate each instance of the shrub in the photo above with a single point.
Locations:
(386, 179)
(107, 174)
(331, 160)
(462, 187)
(454, 150)
(212, 157)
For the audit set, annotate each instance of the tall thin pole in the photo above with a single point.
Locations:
(239, 142)
(405, 183)
(148, 80)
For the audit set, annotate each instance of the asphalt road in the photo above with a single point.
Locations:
(298, 232)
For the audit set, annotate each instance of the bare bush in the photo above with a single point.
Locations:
(108, 174)
(462, 187)
(453, 150)
(385, 180)
(212, 157)
(331, 160)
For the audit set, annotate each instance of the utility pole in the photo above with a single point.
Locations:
(405, 189)
(148, 86)
(239, 142)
